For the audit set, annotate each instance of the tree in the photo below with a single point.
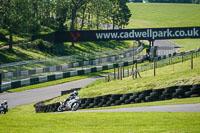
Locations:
(62, 10)
(75, 6)
(13, 17)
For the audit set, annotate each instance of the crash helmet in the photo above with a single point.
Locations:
(5, 102)
(76, 93)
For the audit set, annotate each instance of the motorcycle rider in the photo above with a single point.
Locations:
(4, 106)
(71, 96)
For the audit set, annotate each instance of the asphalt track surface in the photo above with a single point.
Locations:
(35, 95)
(163, 108)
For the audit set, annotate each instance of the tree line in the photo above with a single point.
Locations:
(28, 16)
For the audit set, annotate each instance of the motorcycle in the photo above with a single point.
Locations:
(72, 105)
(4, 107)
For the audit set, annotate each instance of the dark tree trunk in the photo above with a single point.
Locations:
(113, 22)
(73, 21)
(83, 17)
(10, 41)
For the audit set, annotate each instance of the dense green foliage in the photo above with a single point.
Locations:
(27, 16)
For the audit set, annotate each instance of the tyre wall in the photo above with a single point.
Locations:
(185, 91)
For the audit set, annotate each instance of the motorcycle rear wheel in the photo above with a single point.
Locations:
(75, 106)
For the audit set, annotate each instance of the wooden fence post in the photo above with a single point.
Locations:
(182, 58)
(118, 73)
(154, 68)
(136, 70)
(128, 70)
(192, 60)
(123, 71)
(114, 73)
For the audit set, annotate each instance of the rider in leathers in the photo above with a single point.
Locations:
(71, 96)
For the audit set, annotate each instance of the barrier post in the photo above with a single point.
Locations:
(114, 73)
(0, 80)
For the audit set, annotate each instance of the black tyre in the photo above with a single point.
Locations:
(138, 100)
(188, 93)
(148, 98)
(91, 105)
(142, 95)
(169, 90)
(116, 96)
(118, 102)
(154, 94)
(195, 89)
(175, 95)
(186, 88)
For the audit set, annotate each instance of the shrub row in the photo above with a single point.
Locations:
(185, 91)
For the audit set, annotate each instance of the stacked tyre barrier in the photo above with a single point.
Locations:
(185, 91)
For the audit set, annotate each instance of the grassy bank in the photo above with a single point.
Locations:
(176, 74)
(158, 15)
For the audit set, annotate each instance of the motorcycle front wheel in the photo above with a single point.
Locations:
(60, 108)
(2, 112)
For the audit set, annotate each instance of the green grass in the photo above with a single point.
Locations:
(23, 119)
(176, 74)
(158, 15)
(101, 122)
(187, 44)
(21, 53)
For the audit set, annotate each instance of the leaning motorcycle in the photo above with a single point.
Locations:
(72, 105)
(4, 107)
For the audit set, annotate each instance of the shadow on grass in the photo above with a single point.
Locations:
(91, 47)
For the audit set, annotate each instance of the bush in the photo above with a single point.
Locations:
(43, 45)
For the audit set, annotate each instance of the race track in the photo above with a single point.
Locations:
(32, 96)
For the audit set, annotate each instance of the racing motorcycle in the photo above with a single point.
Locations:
(72, 105)
(4, 107)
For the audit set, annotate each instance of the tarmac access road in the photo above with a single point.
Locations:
(163, 108)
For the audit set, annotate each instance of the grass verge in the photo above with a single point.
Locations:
(117, 122)
(171, 75)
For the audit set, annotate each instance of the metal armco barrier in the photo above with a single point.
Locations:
(25, 73)
(185, 91)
